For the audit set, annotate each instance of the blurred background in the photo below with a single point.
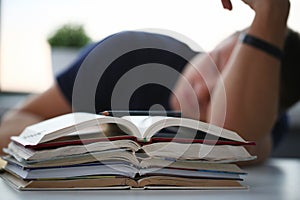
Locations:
(30, 53)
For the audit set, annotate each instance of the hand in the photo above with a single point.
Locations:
(228, 5)
(258, 5)
(192, 92)
(201, 74)
(268, 13)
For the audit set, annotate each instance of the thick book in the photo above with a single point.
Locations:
(100, 150)
(118, 182)
(116, 169)
(110, 159)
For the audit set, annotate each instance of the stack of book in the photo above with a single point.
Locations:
(89, 151)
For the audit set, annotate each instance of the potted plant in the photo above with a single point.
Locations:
(65, 43)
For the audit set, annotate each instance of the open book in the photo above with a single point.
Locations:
(143, 128)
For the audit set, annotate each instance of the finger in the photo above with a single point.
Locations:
(203, 91)
(227, 4)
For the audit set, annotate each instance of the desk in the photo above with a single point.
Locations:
(276, 179)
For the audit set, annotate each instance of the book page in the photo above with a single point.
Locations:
(159, 123)
(2, 164)
(186, 182)
(194, 151)
(68, 124)
(191, 164)
(21, 153)
(150, 125)
(145, 124)
(36, 133)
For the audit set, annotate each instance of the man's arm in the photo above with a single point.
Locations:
(251, 80)
(36, 108)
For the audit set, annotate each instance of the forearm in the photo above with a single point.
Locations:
(251, 82)
(36, 108)
(13, 123)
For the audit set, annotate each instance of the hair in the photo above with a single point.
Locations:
(290, 71)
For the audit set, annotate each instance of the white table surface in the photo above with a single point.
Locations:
(276, 179)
